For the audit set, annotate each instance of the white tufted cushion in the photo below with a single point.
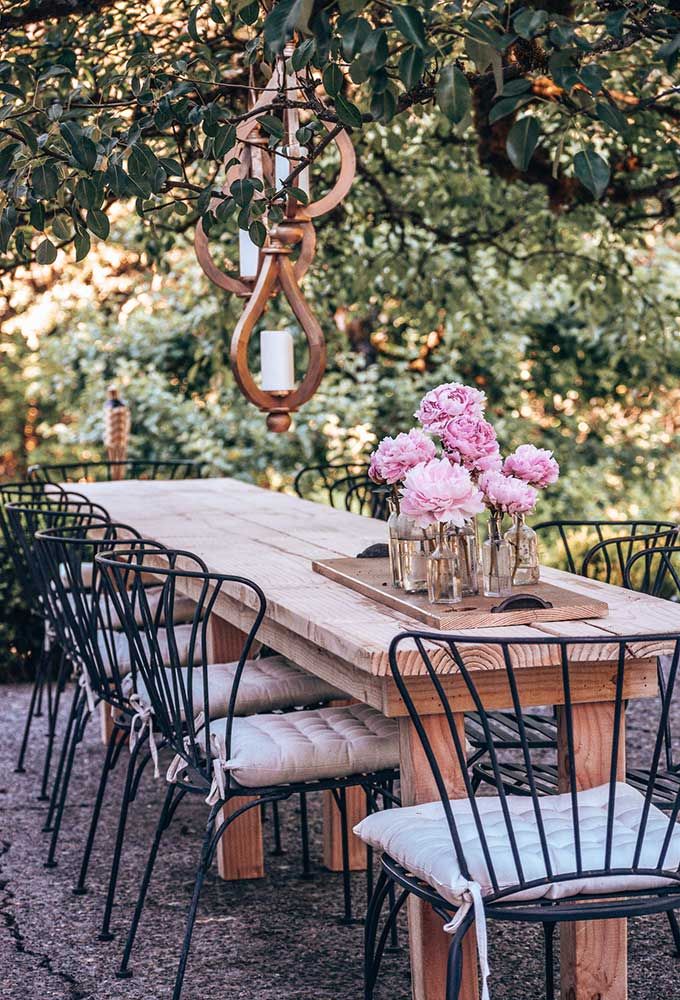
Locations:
(418, 838)
(118, 641)
(266, 684)
(306, 746)
(85, 571)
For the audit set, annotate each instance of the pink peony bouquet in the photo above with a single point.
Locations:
(535, 466)
(393, 457)
(447, 402)
(507, 494)
(437, 492)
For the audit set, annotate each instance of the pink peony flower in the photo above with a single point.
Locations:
(393, 457)
(535, 466)
(506, 494)
(447, 401)
(436, 491)
(472, 442)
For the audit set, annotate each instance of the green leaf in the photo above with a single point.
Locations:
(592, 170)
(98, 223)
(45, 181)
(82, 244)
(272, 125)
(611, 117)
(354, 33)
(242, 192)
(29, 136)
(191, 25)
(37, 216)
(250, 12)
(347, 112)
(507, 105)
(303, 54)
(6, 157)
(408, 20)
(333, 79)
(383, 106)
(528, 23)
(224, 141)
(453, 93)
(669, 52)
(614, 22)
(411, 66)
(86, 193)
(46, 252)
(482, 33)
(514, 87)
(375, 49)
(61, 228)
(257, 233)
(521, 142)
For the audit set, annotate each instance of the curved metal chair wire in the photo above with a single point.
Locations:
(180, 702)
(657, 569)
(542, 858)
(362, 496)
(133, 468)
(575, 543)
(317, 482)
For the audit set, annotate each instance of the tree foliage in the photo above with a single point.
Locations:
(102, 102)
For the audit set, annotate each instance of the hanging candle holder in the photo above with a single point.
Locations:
(270, 270)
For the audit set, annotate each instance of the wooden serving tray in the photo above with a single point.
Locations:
(371, 577)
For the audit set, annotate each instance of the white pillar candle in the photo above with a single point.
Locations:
(277, 362)
(286, 161)
(248, 255)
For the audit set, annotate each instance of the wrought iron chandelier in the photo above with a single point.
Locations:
(267, 271)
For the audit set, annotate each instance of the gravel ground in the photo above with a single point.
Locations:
(264, 939)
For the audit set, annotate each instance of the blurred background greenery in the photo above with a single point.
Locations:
(567, 321)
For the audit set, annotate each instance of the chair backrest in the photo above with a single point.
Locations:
(86, 623)
(90, 472)
(319, 482)
(568, 542)
(23, 511)
(361, 496)
(657, 568)
(162, 652)
(607, 560)
(534, 842)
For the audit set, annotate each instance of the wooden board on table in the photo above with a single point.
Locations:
(371, 577)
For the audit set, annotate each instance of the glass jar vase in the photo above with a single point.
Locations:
(523, 543)
(496, 561)
(414, 545)
(443, 572)
(393, 545)
(466, 541)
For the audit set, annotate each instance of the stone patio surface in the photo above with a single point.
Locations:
(277, 938)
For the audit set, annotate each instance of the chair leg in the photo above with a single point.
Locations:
(105, 932)
(32, 712)
(76, 701)
(346, 877)
(55, 700)
(371, 959)
(203, 867)
(114, 743)
(80, 722)
(304, 836)
(675, 930)
(278, 850)
(454, 972)
(124, 971)
(548, 939)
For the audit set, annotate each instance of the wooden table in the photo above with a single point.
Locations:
(343, 637)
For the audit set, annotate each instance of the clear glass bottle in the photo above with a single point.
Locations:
(524, 545)
(414, 545)
(496, 561)
(393, 544)
(467, 542)
(443, 573)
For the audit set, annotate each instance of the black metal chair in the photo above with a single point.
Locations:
(595, 854)
(257, 756)
(605, 561)
(23, 522)
(131, 468)
(318, 482)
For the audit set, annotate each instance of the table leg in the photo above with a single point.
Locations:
(593, 953)
(355, 799)
(240, 852)
(428, 944)
(105, 722)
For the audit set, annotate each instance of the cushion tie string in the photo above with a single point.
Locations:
(84, 682)
(143, 718)
(218, 789)
(472, 897)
